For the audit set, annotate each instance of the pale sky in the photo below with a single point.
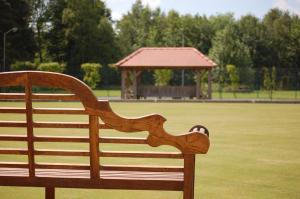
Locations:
(208, 7)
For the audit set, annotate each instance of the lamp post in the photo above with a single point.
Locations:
(14, 29)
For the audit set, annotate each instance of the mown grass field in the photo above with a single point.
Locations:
(278, 94)
(255, 151)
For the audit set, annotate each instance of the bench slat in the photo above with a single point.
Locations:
(29, 121)
(51, 96)
(13, 138)
(111, 140)
(13, 124)
(94, 146)
(12, 96)
(71, 111)
(66, 125)
(35, 96)
(87, 167)
(123, 140)
(61, 152)
(60, 125)
(62, 166)
(139, 184)
(130, 154)
(60, 139)
(13, 165)
(129, 176)
(13, 151)
(50, 124)
(141, 168)
(12, 110)
(117, 140)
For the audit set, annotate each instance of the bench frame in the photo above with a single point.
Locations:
(99, 176)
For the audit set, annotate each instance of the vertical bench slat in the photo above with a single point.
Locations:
(29, 119)
(189, 176)
(94, 146)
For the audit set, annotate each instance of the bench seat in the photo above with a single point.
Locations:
(81, 179)
(104, 174)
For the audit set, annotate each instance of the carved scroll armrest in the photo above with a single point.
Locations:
(196, 141)
(110, 118)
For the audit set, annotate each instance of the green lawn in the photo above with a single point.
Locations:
(279, 94)
(107, 93)
(255, 151)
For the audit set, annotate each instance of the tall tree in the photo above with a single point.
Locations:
(174, 31)
(88, 33)
(221, 21)
(253, 34)
(156, 30)
(138, 28)
(278, 25)
(55, 36)
(21, 44)
(197, 32)
(228, 49)
(38, 23)
(294, 50)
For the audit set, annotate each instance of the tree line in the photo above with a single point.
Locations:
(74, 32)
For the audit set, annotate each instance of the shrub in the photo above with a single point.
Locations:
(234, 78)
(23, 65)
(246, 75)
(162, 77)
(269, 80)
(91, 74)
(52, 67)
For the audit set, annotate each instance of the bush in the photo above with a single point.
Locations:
(23, 65)
(162, 77)
(234, 78)
(247, 75)
(52, 67)
(269, 80)
(91, 74)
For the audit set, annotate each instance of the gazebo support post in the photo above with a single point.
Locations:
(198, 84)
(134, 84)
(123, 83)
(138, 82)
(209, 91)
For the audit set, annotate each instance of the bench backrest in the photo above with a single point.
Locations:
(78, 92)
(94, 110)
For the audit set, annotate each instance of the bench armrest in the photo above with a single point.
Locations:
(195, 141)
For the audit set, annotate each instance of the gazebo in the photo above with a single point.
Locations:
(164, 58)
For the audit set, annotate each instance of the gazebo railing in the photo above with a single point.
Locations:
(166, 91)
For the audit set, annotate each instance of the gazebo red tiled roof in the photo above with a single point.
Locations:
(167, 57)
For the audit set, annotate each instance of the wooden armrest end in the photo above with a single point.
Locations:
(196, 141)
(189, 143)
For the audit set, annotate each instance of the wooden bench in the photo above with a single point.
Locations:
(100, 116)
